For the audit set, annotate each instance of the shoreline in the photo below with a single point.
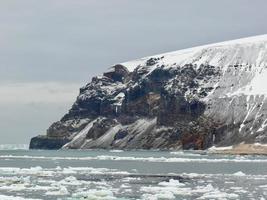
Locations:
(241, 149)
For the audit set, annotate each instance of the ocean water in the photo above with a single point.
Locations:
(148, 175)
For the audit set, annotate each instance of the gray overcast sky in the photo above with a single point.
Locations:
(49, 48)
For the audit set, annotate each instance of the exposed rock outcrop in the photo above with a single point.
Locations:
(189, 99)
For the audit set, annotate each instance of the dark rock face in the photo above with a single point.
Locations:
(42, 142)
(120, 135)
(158, 106)
(100, 127)
(119, 73)
(119, 100)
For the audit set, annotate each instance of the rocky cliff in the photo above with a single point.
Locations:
(188, 99)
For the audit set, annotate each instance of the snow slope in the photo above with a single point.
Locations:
(250, 51)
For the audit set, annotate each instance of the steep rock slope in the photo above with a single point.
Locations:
(189, 99)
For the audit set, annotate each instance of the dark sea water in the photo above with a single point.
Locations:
(148, 175)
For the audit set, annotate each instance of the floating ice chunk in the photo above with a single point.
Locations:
(68, 171)
(263, 186)
(239, 174)
(172, 182)
(13, 187)
(204, 189)
(129, 179)
(125, 186)
(165, 190)
(219, 195)
(46, 181)
(164, 195)
(71, 180)
(26, 171)
(239, 190)
(62, 191)
(95, 194)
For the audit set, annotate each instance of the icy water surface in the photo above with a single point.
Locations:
(148, 175)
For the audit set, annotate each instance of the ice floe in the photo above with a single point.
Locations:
(60, 177)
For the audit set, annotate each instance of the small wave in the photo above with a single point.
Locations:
(142, 159)
(116, 151)
(50, 172)
(188, 153)
(4, 197)
(14, 146)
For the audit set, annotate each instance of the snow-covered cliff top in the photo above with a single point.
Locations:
(249, 51)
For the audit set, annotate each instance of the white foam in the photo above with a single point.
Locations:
(237, 159)
(14, 146)
(185, 154)
(4, 197)
(27, 171)
(116, 151)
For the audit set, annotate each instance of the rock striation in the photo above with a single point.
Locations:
(188, 99)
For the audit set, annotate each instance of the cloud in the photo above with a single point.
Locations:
(38, 92)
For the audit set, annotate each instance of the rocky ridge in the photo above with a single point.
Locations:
(188, 99)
